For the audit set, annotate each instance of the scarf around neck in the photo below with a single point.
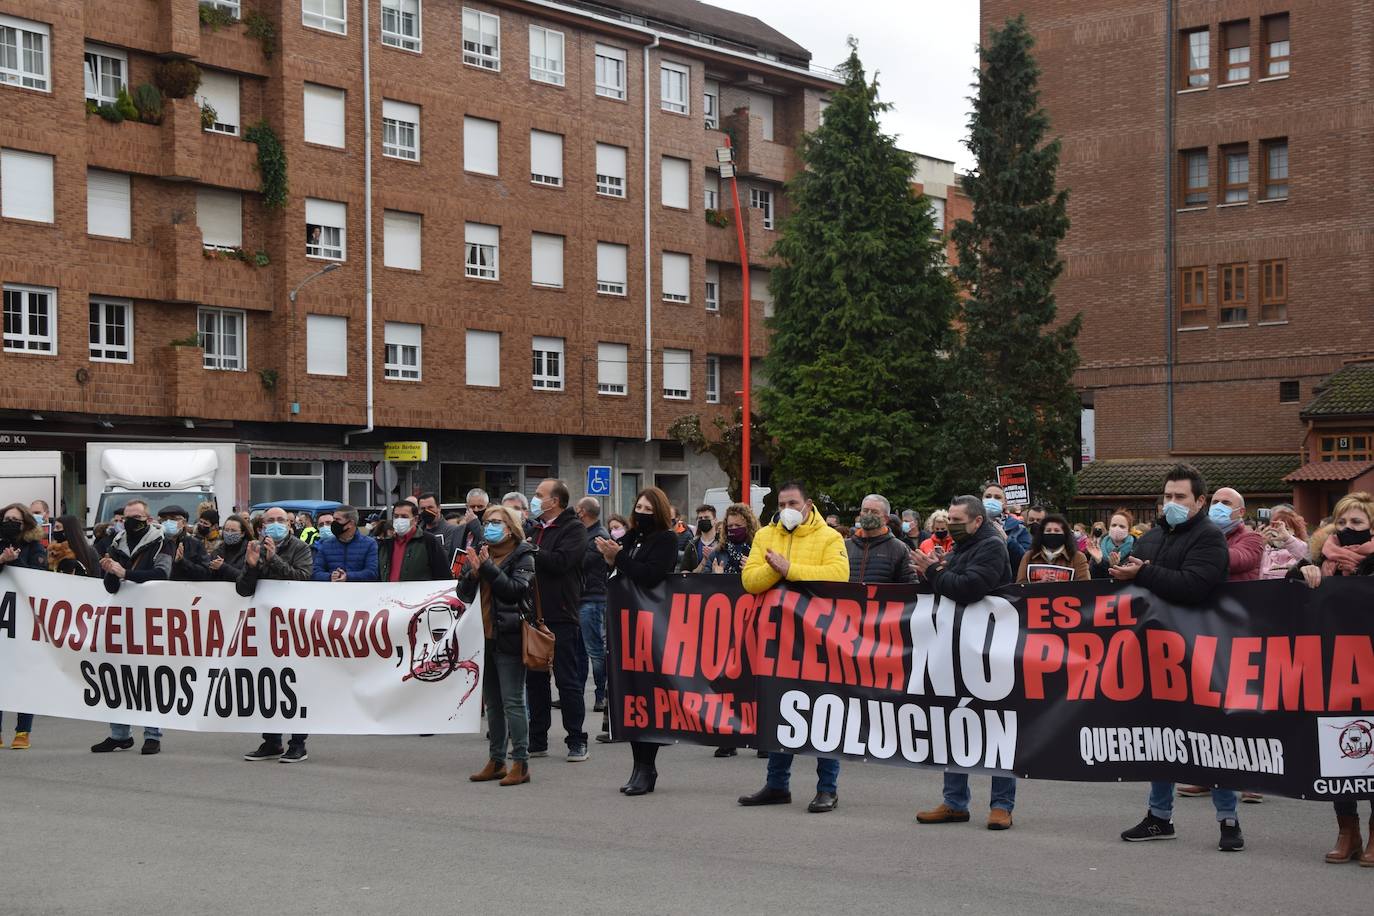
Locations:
(1343, 559)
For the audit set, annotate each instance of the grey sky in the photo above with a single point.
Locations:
(923, 51)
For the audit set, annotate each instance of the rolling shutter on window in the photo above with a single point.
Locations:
(219, 214)
(401, 239)
(484, 358)
(761, 106)
(612, 365)
(677, 274)
(325, 213)
(479, 146)
(676, 182)
(677, 370)
(326, 345)
(324, 115)
(546, 260)
(221, 92)
(546, 154)
(610, 160)
(107, 203)
(26, 185)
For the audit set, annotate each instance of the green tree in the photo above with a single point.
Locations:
(862, 308)
(1013, 365)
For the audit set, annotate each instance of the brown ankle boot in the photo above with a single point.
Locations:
(519, 773)
(495, 769)
(1347, 841)
(1367, 858)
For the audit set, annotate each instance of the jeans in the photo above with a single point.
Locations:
(503, 690)
(23, 724)
(275, 739)
(957, 794)
(570, 674)
(780, 773)
(594, 638)
(1162, 802)
(124, 732)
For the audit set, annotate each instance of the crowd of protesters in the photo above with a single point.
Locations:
(553, 558)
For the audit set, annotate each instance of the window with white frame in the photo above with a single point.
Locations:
(610, 170)
(401, 239)
(612, 368)
(107, 72)
(712, 286)
(326, 345)
(713, 380)
(325, 229)
(677, 277)
(112, 330)
(107, 204)
(610, 268)
(760, 290)
(278, 481)
(712, 186)
(24, 53)
(30, 319)
(548, 363)
(221, 334)
(710, 104)
(483, 248)
(480, 146)
(546, 158)
(610, 72)
(761, 106)
(229, 6)
(220, 92)
(546, 55)
(481, 39)
(484, 359)
(674, 81)
(546, 260)
(26, 185)
(676, 182)
(330, 15)
(401, 24)
(401, 361)
(359, 483)
(324, 115)
(677, 374)
(219, 214)
(761, 199)
(400, 130)
(937, 211)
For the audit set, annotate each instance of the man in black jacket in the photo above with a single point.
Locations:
(1181, 559)
(876, 555)
(189, 561)
(978, 564)
(562, 543)
(137, 554)
(593, 605)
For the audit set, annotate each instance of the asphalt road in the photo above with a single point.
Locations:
(392, 825)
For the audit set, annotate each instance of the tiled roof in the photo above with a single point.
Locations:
(1250, 474)
(1347, 392)
(694, 16)
(1329, 470)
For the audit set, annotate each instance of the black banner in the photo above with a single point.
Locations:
(1268, 686)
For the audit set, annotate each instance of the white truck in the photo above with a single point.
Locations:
(26, 476)
(185, 474)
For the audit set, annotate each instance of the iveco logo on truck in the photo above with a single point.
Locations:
(157, 484)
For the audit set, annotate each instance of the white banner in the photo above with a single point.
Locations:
(309, 657)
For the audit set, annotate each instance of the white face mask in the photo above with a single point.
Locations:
(1119, 533)
(790, 518)
(402, 526)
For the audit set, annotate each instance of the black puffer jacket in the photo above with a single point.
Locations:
(978, 565)
(1183, 563)
(646, 560)
(879, 560)
(232, 556)
(562, 550)
(511, 585)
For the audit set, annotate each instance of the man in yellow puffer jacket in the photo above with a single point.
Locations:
(798, 547)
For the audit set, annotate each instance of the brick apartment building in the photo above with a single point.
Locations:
(533, 279)
(1218, 165)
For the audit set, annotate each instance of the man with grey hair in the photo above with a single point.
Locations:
(517, 501)
(876, 556)
(977, 565)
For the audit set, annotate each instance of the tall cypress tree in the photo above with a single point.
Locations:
(862, 306)
(1013, 366)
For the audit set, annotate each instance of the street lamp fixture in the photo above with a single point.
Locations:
(319, 273)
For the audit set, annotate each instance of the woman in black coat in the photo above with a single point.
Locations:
(21, 546)
(227, 559)
(646, 556)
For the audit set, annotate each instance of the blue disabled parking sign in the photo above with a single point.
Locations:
(599, 480)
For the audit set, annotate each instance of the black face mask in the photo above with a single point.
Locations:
(704, 525)
(338, 528)
(134, 528)
(59, 537)
(646, 521)
(9, 529)
(429, 517)
(1349, 537)
(1053, 541)
(1035, 527)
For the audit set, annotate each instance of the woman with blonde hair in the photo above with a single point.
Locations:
(1346, 550)
(940, 538)
(503, 573)
(734, 538)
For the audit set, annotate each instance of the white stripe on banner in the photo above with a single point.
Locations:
(323, 658)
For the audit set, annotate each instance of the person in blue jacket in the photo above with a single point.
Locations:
(349, 556)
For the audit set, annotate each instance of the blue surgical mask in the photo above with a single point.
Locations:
(1220, 513)
(326, 533)
(171, 528)
(1175, 514)
(493, 532)
(536, 507)
(993, 507)
(277, 531)
(906, 527)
